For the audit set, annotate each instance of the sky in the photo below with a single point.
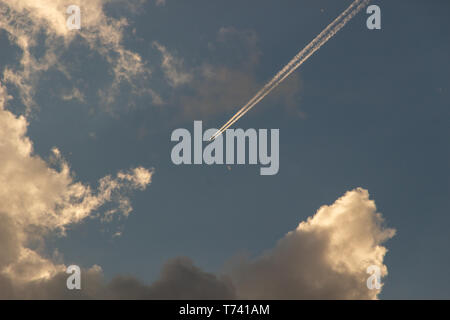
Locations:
(86, 176)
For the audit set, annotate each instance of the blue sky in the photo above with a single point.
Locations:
(370, 109)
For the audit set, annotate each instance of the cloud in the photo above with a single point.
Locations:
(179, 279)
(28, 21)
(39, 197)
(172, 67)
(74, 94)
(326, 257)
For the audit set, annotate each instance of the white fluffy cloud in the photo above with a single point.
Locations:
(38, 197)
(326, 257)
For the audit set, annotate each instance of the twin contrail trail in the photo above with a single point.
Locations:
(298, 60)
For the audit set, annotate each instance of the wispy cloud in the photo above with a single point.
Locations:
(74, 94)
(25, 21)
(224, 80)
(173, 67)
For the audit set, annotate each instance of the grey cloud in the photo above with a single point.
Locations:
(179, 279)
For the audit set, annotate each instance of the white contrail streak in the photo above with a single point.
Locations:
(298, 60)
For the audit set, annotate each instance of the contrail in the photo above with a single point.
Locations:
(298, 60)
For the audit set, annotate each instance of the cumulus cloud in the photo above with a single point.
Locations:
(326, 257)
(27, 21)
(38, 197)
